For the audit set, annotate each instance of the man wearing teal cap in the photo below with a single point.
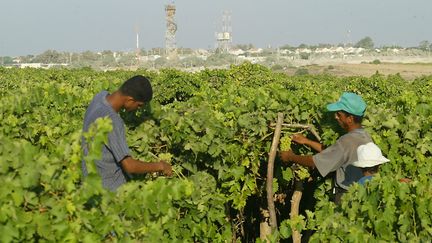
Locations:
(349, 111)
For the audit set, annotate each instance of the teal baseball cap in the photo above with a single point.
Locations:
(349, 102)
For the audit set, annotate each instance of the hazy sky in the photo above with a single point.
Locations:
(33, 26)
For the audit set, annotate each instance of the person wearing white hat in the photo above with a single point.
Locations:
(369, 159)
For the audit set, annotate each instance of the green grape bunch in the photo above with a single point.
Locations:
(167, 157)
(176, 168)
(285, 143)
(301, 173)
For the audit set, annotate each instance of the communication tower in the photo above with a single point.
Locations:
(224, 38)
(171, 28)
(137, 50)
(348, 38)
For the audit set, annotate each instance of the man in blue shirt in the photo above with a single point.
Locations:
(116, 162)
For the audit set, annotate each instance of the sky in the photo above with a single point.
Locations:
(32, 27)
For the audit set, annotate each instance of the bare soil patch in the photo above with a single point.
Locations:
(407, 71)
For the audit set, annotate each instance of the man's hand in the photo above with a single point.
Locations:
(165, 168)
(405, 180)
(286, 156)
(300, 139)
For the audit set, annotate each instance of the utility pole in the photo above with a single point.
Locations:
(171, 28)
(137, 50)
(224, 38)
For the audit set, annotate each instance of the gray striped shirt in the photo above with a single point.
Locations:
(115, 150)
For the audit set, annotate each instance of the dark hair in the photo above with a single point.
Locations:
(138, 87)
(357, 119)
(372, 170)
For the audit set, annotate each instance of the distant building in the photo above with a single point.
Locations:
(39, 65)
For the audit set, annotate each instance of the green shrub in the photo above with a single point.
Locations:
(302, 71)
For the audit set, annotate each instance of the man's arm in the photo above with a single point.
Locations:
(305, 160)
(300, 139)
(133, 166)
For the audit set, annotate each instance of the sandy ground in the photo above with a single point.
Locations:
(409, 67)
(408, 71)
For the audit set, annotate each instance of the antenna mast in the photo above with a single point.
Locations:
(137, 50)
(224, 38)
(171, 28)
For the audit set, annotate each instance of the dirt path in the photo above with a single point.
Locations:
(407, 71)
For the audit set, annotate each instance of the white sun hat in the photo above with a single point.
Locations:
(369, 155)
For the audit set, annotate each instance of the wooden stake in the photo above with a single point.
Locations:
(265, 229)
(270, 169)
(295, 205)
(311, 128)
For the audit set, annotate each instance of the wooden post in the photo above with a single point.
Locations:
(298, 185)
(270, 169)
(265, 228)
(295, 205)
